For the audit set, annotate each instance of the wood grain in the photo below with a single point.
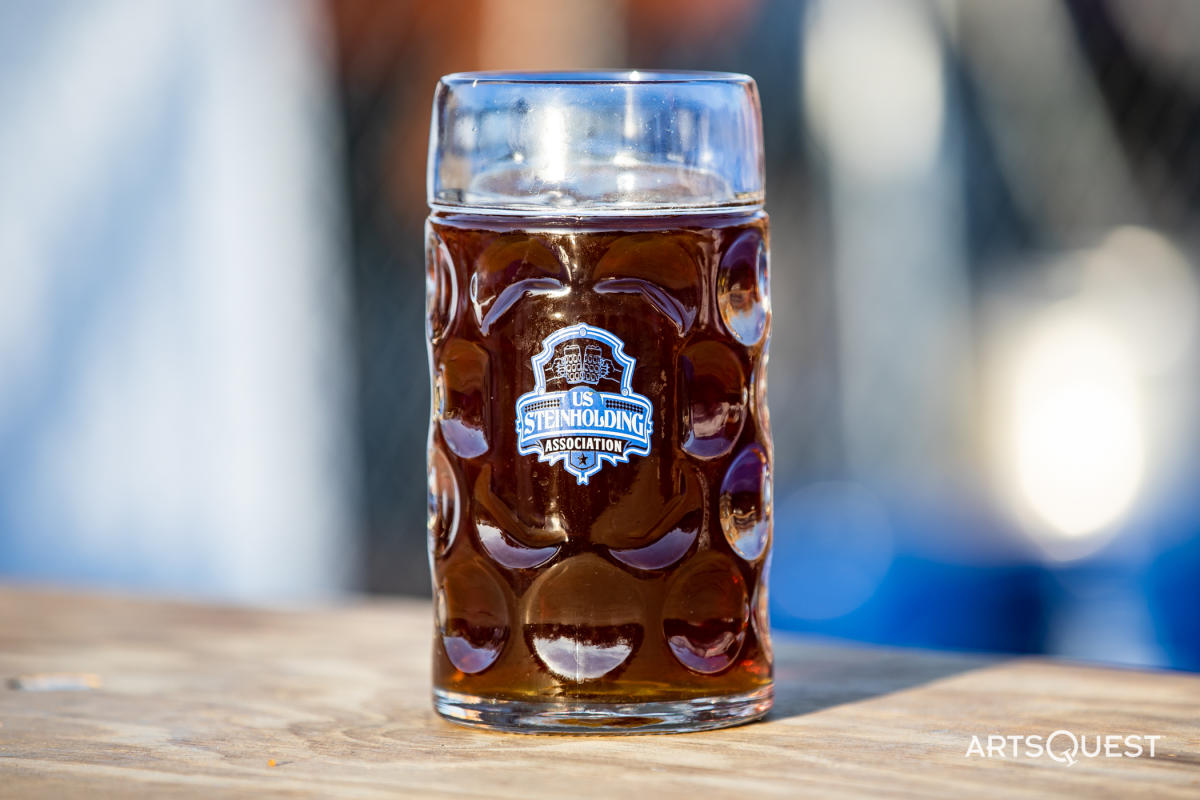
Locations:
(196, 701)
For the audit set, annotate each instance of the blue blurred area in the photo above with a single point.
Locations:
(925, 603)
(1171, 582)
(846, 564)
(849, 565)
(172, 380)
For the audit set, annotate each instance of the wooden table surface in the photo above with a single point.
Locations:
(173, 699)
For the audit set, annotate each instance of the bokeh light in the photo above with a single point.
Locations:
(873, 85)
(1073, 431)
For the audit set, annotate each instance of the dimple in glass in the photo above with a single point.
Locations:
(598, 318)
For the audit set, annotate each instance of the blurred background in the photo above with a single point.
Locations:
(985, 352)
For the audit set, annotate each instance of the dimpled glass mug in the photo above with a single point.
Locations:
(599, 445)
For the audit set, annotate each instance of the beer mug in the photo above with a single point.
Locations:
(599, 445)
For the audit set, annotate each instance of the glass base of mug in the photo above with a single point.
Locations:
(679, 716)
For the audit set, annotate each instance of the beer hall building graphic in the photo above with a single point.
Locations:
(582, 411)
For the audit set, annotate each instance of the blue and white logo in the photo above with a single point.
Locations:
(582, 410)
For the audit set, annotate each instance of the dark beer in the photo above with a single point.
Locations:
(646, 580)
(599, 448)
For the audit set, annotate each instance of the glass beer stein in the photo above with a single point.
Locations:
(599, 445)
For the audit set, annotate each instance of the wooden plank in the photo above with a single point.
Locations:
(196, 700)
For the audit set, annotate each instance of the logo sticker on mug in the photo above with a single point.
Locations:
(583, 411)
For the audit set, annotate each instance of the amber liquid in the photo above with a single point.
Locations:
(647, 583)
